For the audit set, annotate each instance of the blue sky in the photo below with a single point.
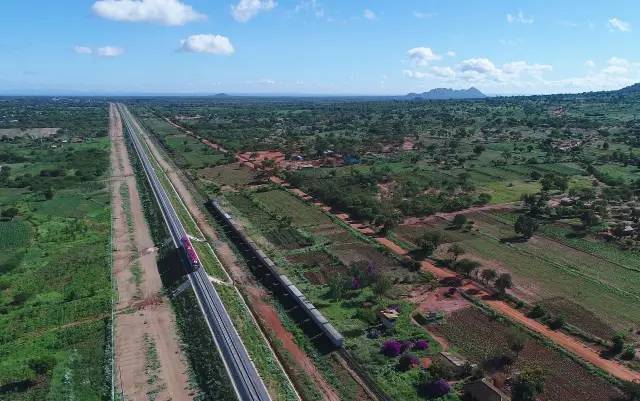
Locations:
(317, 47)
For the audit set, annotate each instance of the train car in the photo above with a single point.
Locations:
(190, 252)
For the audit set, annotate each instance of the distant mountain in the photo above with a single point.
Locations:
(630, 90)
(445, 93)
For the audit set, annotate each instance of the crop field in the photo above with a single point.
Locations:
(55, 287)
(481, 339)
(233, 175)
(545, 268)
(283, 203)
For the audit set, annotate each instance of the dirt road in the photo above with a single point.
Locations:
(264, 312)
(148, 356)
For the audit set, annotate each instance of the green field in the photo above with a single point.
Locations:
(55, 286)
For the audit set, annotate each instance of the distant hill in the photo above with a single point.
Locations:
(445, 93)
(630, 90)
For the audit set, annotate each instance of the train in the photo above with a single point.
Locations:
(310, 310)
(190, 253)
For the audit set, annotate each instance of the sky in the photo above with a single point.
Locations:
(328, 47)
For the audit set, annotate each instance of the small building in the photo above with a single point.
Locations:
(484, 390)
(458, 365)
(388, 317)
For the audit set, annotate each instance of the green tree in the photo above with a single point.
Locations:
(488, 275)
(525, 226)
(503, 283)
(456, 250)
(337, 286)
(467, 266)
(516, 340)
(459, 220)
(382, 285)
(528, 385)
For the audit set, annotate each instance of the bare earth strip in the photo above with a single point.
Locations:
(264, 311)
(144, 317)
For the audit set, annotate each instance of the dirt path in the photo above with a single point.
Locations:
(144, 320)
(265, 313)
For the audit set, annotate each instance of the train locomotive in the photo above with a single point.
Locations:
(190, 253)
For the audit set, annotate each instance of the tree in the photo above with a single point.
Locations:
(48, 194)
(382, 285)
(488, 275)
(467, 266)
(617, 343)
(525, 226)
(10, 213)
(337, 286)
(503, 283)
(429, 242)
(459, 220)
(589, 218)
(528, 385)
(516, 340)
(456, 250)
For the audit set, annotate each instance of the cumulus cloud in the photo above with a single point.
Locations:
(451, 53)
(166, 12)
(109, 51)
(207, 43)
(247, 9)
(619, 25)
(82, 50)
(370, 15)
(589, 64)
(483, 70)
(423, 55)
(519, 18)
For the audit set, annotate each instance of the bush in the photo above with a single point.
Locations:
(408, 361)
(391, 348)
(537, 312)
(420, 345)
(556, 323)
(437, 388)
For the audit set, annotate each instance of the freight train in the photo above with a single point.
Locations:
(310, 310)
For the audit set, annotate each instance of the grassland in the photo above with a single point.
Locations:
(55, 287)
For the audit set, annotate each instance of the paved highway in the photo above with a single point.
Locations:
(242, 372)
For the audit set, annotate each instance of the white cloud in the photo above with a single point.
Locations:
(519, 18)
(423, 55)
(589, 64)
(166, 12)
(370, 15)
(109, 51)
(82, 50)
(443, 72)
(618, 24)
(207, 43)
(423, 15)
(247, 9)
(522, 67)
(451, 53)
(310, 5)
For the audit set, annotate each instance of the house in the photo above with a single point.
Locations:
(458, 365)
(388, 317)
(484, 390)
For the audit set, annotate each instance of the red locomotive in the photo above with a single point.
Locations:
(191, 253)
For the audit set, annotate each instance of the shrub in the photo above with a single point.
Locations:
(629, 353)
(420, 345)
(437, 388)
(556, 323)
(408, 361)
(391, 348)
(405, 345)
(537, 312)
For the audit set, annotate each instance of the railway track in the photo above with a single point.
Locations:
(243, 375)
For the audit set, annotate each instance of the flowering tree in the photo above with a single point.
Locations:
(437, 388)
(391, 348)
(408, 361)
(420, 345)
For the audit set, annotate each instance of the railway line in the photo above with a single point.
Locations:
(243, 375)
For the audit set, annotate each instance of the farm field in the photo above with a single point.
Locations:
(548, 271)
(55, 287)
(481, 339)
